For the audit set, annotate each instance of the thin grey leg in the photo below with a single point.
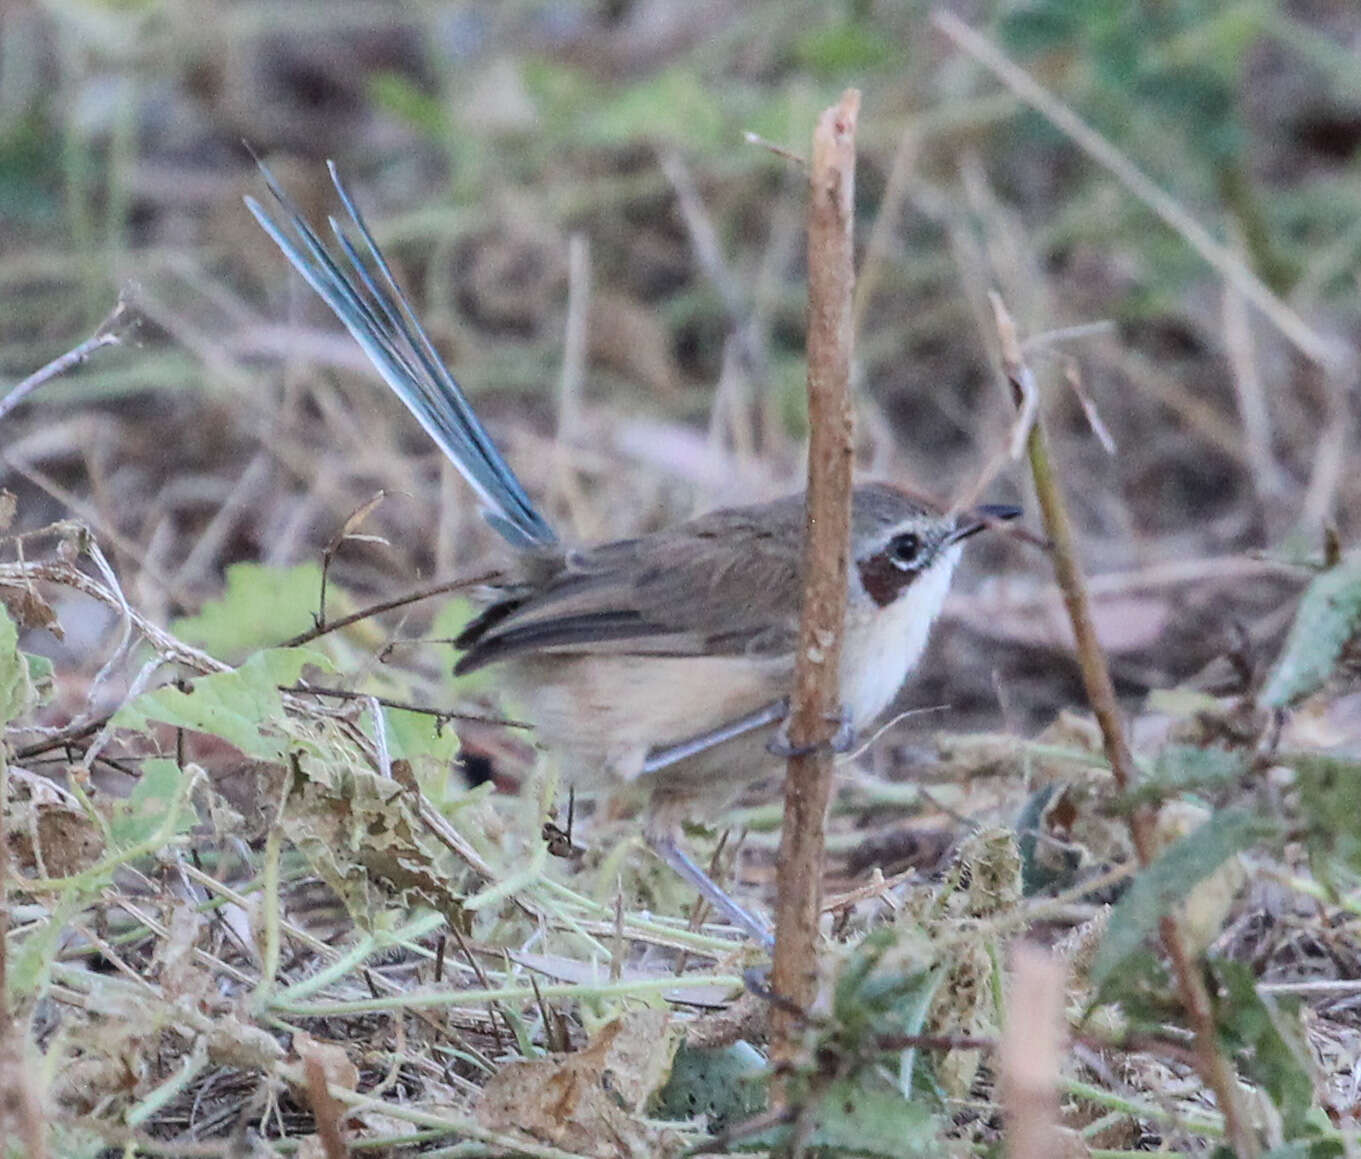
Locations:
(661, 758)
(669, 850)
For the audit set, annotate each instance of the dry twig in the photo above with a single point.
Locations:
(1031, 1052)
(1216, 1070)
(831, 277)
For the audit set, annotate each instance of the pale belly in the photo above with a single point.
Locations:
(603, 715)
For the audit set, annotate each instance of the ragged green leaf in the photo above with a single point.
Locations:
(243, 706)
(16, 691)
(1329, 616)
(29, 968)
(1269, 1059)
(1168, 880)
(261, 606)
(853, 1119)
(144, 811)
(413, 735)
(1330, 799)
(857, 1118)
(721, 1083)
(41, 675)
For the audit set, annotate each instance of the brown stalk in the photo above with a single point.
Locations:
(1031, 1052)
(111, 332)
(326, 1111)
(1216, 1070)
(815, 701)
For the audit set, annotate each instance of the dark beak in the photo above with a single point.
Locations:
(981, 518)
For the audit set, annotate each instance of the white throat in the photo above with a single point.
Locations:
(880, 651)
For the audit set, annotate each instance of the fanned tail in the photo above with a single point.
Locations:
(359, 287)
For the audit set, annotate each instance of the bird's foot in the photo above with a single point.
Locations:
(841, 741)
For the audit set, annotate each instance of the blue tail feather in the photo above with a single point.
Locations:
(379, 316)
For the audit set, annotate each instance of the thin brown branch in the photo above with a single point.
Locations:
(815, 701)
(1096, 677)
(1215, 1068)
(110, 333)
(348, 530)
(440, 714)
(780, 151)
(419, 594)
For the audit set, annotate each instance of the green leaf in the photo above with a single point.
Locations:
(143, 813)
(261, 607)
(399, 96)
(1168, 880)
(1181, 768)
(674, 106)
(30, 964)
(1328, 617)
(1330, 799)
(852, 47)
(721, 1083)
(414, 734)
(41, 675)
(1269, 1059)
(16, 692)
(244, 706)
(855, 1119)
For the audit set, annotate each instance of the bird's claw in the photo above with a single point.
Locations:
(844, 739)
(779, 745)
(841, 741)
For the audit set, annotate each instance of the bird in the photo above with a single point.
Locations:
(663, 661)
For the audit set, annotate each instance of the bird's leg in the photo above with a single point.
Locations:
(660, 758)
(667, 847)
(558, 839)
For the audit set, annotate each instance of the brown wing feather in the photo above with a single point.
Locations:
(658, 595)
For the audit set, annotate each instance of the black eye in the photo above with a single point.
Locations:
(904, 548)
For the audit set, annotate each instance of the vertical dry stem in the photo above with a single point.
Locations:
(1031, 1051)
(831, 278)
(1216, 1071)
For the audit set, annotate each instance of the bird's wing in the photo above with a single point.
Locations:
(725, 584)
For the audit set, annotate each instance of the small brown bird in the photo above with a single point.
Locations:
(663, 661)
